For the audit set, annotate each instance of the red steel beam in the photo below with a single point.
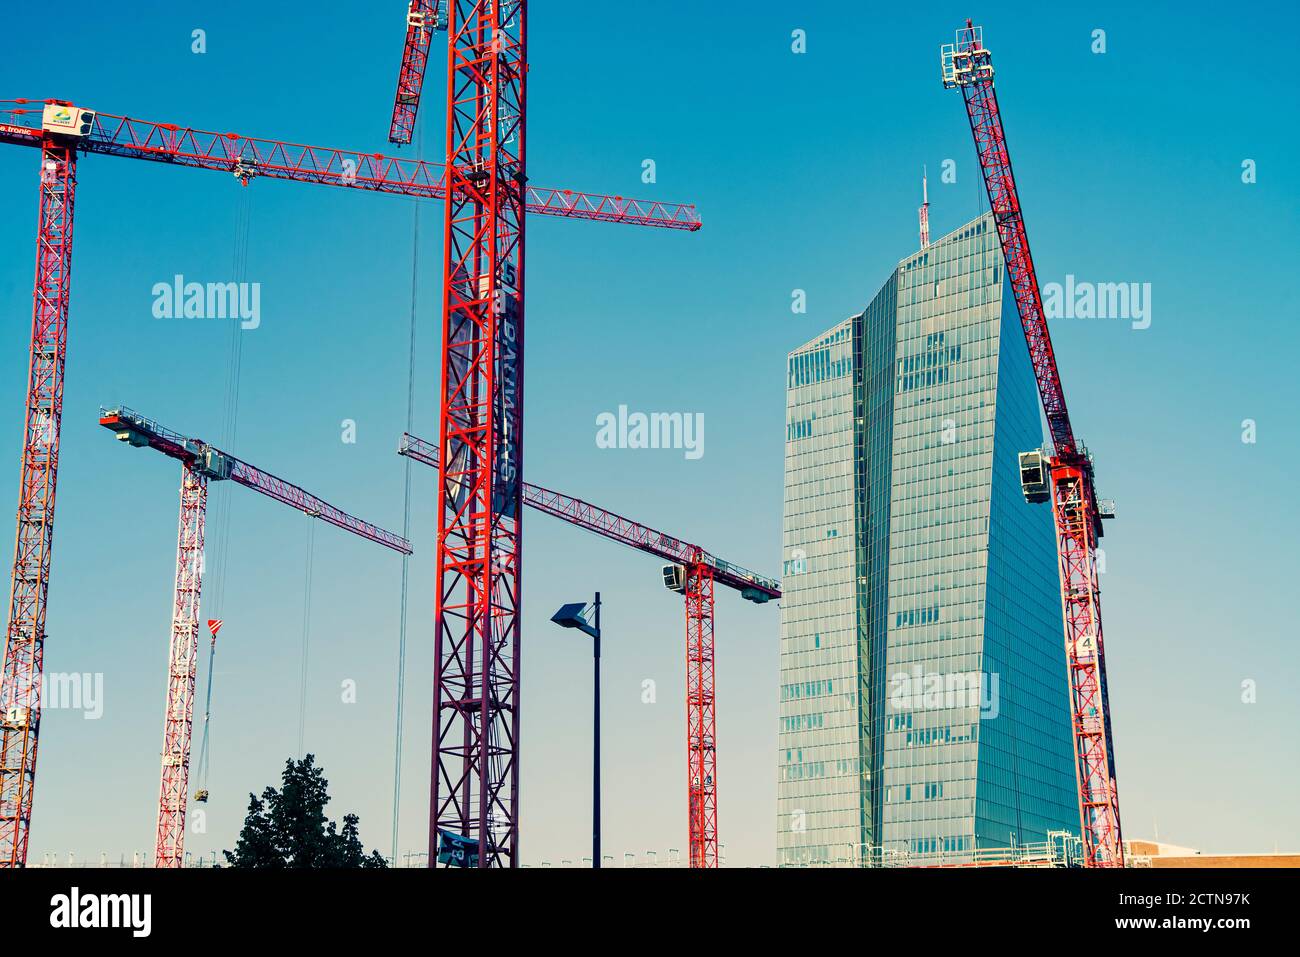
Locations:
(247, 157)
(422, 20)
(616, 528)
(972, 73)
(138, 429)
(24, 651)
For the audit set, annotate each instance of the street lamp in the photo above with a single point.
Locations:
(586, 618)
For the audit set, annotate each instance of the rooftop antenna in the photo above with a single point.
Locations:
(924, 211)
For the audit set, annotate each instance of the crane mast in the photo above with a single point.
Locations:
(24, 651)
(1065, 478)
(475, 768)
(474, 791)
(182, 664)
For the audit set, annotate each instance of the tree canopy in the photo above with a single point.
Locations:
(288, 828)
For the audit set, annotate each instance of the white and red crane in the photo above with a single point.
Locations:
(1064, 476)
(202, 463)
(692, 574)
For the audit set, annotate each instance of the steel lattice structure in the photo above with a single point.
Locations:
(699, 572)
(200, 464)
(248, 157)
(422, 19)
(182, 661)
(23, 123)
(967, 65)
(473, 801)
(20, 681)
(475, 768)
(1074, 506)
(701, 718)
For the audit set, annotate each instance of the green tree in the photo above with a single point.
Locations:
(288, 828)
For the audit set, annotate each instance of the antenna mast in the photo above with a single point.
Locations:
(924, 211)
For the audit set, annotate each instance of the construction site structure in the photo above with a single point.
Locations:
(61, 131)
(1063, 475)
(1061, 849)
(474, 787)
(692, 573)
(201, 464)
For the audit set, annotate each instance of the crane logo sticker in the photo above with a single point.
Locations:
(69, 120)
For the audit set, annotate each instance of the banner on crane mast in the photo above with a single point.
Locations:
(505, 306)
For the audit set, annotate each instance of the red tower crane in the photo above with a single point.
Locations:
(692, 574)
(1065, 477)
(474, 791)
(423, 18)
(202, 463)
(62, 131)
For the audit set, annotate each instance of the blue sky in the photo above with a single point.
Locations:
(806, 171)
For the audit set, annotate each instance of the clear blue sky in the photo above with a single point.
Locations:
(806, 171)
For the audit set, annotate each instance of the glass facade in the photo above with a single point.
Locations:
(923, 697)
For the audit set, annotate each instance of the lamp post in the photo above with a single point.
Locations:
(575, 615)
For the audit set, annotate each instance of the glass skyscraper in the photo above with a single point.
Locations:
(924, 712)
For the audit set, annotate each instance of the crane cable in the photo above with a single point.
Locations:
(306, 636)
(230, 417)
(406, 512)
(243, 219)
(201, 775)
